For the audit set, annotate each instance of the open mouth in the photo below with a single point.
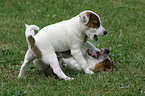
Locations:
(95, 37)
(98, 54)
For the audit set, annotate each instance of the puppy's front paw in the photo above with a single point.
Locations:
(68, 78)
(88, 71)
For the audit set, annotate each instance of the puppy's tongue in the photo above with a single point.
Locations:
(93, 54)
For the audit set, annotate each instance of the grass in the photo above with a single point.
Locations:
(124, 21)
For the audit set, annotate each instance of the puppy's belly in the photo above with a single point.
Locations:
(60, 47)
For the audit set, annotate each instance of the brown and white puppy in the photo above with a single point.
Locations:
(66, 35)
(97, 61)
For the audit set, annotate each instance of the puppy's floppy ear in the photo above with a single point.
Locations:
(84, 17)
(112, 61)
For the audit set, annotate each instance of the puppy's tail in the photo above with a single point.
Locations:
(29, 32)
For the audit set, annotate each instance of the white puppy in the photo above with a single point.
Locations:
(70, 34)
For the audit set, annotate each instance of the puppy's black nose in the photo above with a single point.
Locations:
(105, 32)
(107, 51)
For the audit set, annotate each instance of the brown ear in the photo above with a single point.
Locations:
(113, 63)
(111, 60)
(93, 20)
(92, 16)
(99, 67)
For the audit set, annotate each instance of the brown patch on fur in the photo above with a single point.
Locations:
(34, 48)
(99, 67)
(93, 20)
(31, 41)
(104, 65)
(111, 60)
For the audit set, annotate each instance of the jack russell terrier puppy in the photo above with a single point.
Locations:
(97, 61)
(66, 35)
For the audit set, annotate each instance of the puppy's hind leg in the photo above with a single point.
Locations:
(28, 58)
(51, 58)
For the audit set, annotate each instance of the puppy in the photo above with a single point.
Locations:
(70, 35)
(97, 61)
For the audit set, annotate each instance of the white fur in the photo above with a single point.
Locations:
(30, 32)
(71, 64)
(86, 20)
(62, 36)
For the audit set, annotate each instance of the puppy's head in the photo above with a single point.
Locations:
(105, 65)
(93, 25)
(102, 59)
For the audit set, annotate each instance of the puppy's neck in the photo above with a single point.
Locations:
(79, 28)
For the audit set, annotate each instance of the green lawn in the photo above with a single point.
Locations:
(125, 23)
